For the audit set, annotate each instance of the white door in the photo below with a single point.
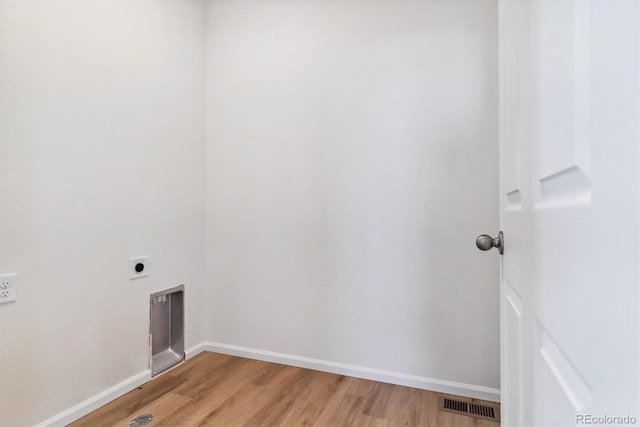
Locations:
(569, 189)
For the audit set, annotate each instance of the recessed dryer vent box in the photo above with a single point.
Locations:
(167, 329)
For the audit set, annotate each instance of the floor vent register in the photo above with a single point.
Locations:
(141, 420)
(470, 409)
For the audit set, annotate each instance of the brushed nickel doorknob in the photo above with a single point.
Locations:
(484, 242)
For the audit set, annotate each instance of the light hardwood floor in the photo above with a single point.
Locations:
(219, 390)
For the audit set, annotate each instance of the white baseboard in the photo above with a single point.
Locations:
(91, 404)
(424, 383)
(195, 350)
(100, 399)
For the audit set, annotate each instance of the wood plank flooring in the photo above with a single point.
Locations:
(219, 390)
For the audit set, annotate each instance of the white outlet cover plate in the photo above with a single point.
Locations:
(8, 284)
(133, 274)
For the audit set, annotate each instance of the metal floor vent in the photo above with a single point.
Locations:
(470, 409)
(141, 420)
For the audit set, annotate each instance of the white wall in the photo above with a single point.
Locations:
(351, 161)
(101, 142)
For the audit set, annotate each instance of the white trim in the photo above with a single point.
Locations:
(424, 383)
(195, 350)
(95, 402)
(91, 404)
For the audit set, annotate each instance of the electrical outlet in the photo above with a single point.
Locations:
(8, 284)
(139, 267)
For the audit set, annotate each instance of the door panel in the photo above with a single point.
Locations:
(560, 121)
(509, 172)
(559, 388)
(513, 345)
(560, 57)
(569, 209)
